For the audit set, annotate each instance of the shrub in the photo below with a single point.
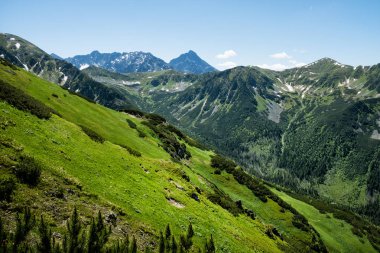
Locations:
(23, 101)
(133, 112)
(300, 222)
(176, 131)
(225, 201)
(222, 163)
(194, 143)
(7, 187)
(131, 150)
(155, 118)
(28, 170)
(92, 134)
(131, 124)
(217, 172)
(169, 141)
(141, 133)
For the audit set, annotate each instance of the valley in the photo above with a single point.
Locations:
(139, 139)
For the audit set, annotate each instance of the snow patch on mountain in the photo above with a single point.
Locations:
(83, 66)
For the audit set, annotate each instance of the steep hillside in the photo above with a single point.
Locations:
(140, 168)
(267, 120)
(120, 62)
(190, 62)
(26, 55)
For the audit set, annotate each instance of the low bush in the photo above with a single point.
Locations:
(169, 141)
(7, 187)
(134, 112)
(28, 170)
(155, 118)
(131, 150)
(92, 134)
(131, 124)
(222, 163)
(225, 201)
(141, 133)
(23, 101)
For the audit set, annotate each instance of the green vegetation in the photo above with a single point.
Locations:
(131, 150)
(28, 171)
(169, 141)
(92, 134)
(137, 194)
(334, 232)
(23, 101)
(7, 186)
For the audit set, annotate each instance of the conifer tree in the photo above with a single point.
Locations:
(45, 244)
(74, 240)
(168, 233)
(23, 227)
(161, 248)
(210, 246)
(133, 246)
(174, 245)
(3, 237)
(190, 231)
(98, 235)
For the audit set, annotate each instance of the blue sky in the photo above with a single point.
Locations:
(273, 34)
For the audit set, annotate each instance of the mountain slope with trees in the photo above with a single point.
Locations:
(132, 168)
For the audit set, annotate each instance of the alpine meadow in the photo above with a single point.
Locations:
(189, 126)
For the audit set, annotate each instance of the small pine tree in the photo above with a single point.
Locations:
(45, 244)
(161, 248)
(74, 240)
(23, 227)
(182, 242)
(210, 246)
(174, 245)
(133, 246)
(122, 246)
(168, 233)
(92, 241)
(3, 237)
(190, 231)
(98, 234)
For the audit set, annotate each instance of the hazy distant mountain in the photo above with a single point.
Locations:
(190, 62)
(120, 62)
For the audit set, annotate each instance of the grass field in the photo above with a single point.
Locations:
(336, 234)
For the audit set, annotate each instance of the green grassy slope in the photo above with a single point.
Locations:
(138, 186)
(336, 234)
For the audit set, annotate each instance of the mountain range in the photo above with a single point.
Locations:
(313, 130)
(141, 62)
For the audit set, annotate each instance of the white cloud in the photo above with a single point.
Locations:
(227, 65)
(281, 55)
(227, 54)
(276, 66)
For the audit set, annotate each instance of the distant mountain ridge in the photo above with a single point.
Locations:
(190, 62)
(120, 62)
(134, 62)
